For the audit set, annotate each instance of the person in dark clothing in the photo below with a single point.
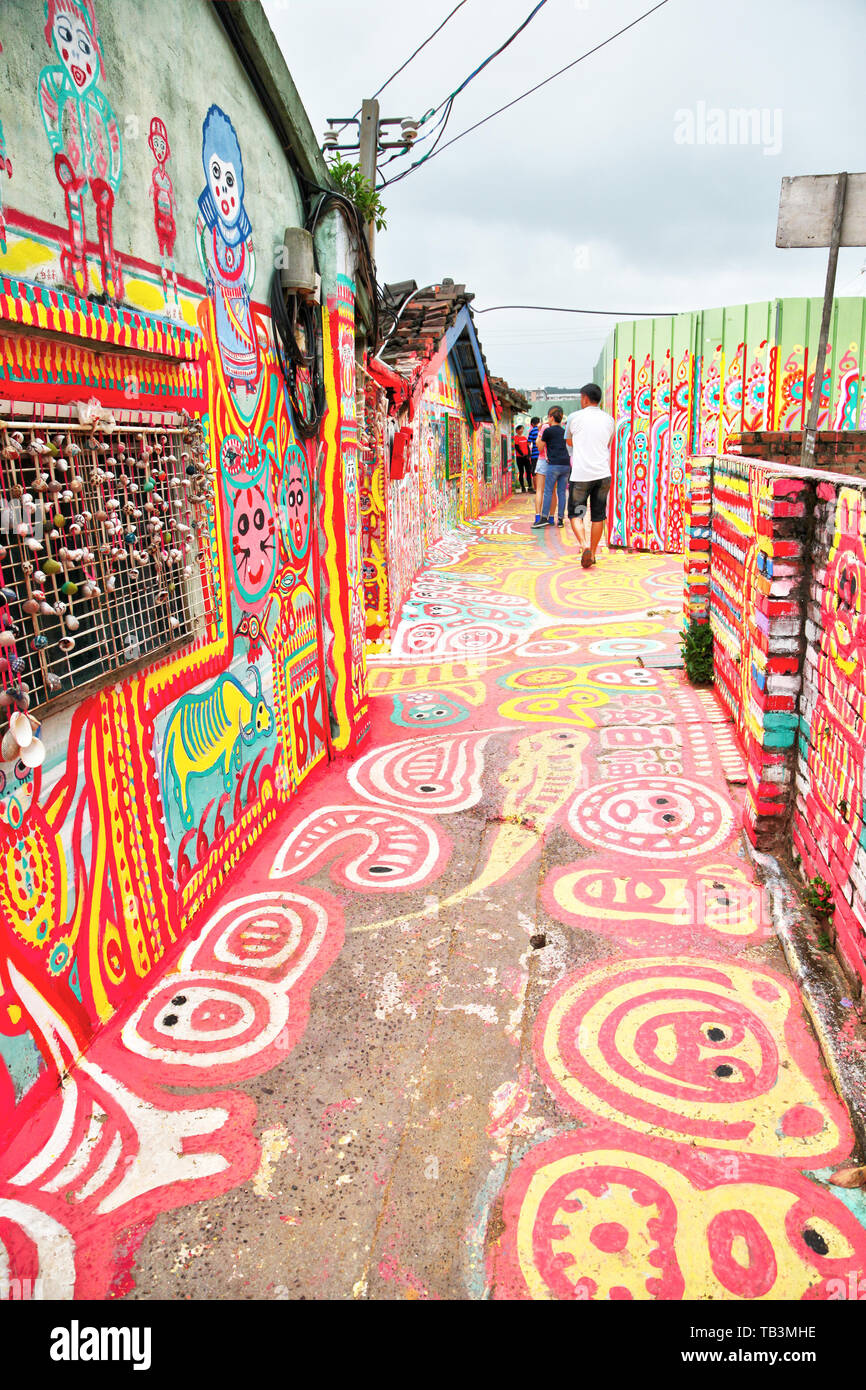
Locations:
(533, 440)
(558, 469)
(522, 457)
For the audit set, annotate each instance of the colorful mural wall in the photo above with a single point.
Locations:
(147, 329)
(830, 809)
(454, 473)
(692, 384)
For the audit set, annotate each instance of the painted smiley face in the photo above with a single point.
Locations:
(295, 510)
(254, 550)
(843, 604)
(223, 184)
(76, 49)
(693, 1049)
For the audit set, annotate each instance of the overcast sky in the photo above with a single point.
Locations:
(581, 195)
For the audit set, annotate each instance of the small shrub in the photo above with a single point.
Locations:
(696, 644)
(351, 182)
(819, 896)
(823, 940)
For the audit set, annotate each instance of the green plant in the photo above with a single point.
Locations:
(351, 182)
(823, 940)
(819, 896)
(696, 645)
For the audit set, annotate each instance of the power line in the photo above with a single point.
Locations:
(448, 102)
(397, 71)
(418, 49)
(608, 313)
(528, 93)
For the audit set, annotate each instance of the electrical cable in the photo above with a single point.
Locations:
(418, 49)
(608, 313)
(308, 406)
(528, 93)
(448, 102)
(397, 71)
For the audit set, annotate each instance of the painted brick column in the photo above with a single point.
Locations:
(774, 602)
(697, 518)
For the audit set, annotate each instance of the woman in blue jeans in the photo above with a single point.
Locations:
(558, 469)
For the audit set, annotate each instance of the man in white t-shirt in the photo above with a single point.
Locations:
(590, 431)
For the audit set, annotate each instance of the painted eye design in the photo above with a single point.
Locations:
(64, 32)
(259, 519)
(230, 180)
(715, 1033)
(216, 171)
(243, 524)
(84, 45)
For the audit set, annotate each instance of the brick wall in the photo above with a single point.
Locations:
(839, 451)
(776, 563)
(758, 524)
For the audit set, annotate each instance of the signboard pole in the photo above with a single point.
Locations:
(807, 454)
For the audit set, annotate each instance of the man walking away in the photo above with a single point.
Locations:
(558, 468)
(591, 430)
(524, 463)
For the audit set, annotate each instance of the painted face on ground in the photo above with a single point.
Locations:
(158, 146)
(253, 547)
(76, 49)
(223, 184)
(604, 1216)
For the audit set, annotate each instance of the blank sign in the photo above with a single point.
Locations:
(806, 211)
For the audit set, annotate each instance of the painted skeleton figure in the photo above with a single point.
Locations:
(84, 136)
(225, 247)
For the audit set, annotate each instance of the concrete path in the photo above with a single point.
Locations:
(499, 1011)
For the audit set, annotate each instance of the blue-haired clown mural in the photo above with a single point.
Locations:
(225, 245)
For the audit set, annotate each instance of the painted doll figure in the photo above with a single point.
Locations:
(162, 193)
(83, 133)
(225, 245)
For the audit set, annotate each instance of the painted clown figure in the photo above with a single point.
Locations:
(83, 133)
(225, 245)
(162, 193)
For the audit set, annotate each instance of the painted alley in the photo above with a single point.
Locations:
(496, 1011)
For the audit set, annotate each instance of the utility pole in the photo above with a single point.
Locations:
(370, 143)
(807, 455)
(368, 156)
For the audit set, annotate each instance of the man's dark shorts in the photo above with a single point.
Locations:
(595, 492)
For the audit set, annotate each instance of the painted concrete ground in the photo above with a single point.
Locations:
(363, 1080)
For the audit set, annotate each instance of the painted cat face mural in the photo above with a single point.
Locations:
(245, 467)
